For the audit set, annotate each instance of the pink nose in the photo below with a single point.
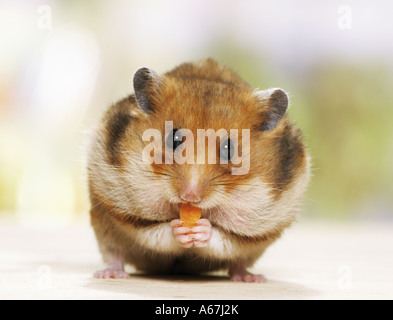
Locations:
(191, 194)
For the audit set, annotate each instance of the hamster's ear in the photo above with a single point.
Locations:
(146, 85)
(274, 103)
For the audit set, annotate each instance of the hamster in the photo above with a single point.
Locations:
(135, 203)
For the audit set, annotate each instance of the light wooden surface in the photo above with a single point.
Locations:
(311, 261)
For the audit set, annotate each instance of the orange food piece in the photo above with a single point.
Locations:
(189, 215)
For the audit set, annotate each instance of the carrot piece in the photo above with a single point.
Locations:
(189, 215)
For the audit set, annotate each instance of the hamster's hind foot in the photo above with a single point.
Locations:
(238, 272)
(109, 273)
(115, 269)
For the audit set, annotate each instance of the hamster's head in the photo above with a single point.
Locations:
(216, 143)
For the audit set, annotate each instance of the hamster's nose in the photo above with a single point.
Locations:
(191, 194)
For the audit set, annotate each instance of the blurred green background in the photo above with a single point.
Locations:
(63, 62)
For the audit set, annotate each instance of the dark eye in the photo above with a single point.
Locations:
(174, 139)
(226, 150)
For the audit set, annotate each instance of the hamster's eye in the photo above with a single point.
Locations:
(226, 150)
(175, 139)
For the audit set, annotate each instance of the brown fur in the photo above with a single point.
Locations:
(131, 200)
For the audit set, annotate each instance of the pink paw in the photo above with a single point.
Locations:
(248, 277)
(110, 274)
(238, 272)
(198, 236)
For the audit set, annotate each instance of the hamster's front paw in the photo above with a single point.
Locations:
(198, 236)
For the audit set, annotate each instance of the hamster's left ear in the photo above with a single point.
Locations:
(274, 105)
(147, 84)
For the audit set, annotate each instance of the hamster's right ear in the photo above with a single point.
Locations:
(146, 86)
